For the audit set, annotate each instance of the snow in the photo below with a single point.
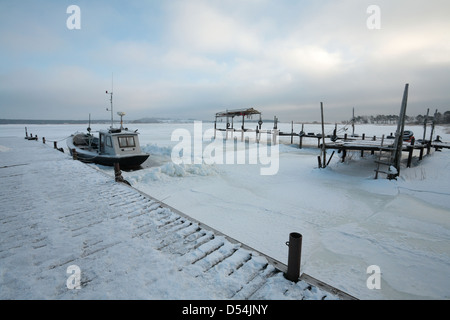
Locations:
(348, 220)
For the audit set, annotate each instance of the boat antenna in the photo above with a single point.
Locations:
(89, 126)
(111, 100)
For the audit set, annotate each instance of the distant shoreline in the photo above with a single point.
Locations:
(28, 121)
(25, 121)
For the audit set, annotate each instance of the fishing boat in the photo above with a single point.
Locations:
(113, 145)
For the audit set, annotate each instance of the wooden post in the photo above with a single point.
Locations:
(257, 136)
(292, 132)
(379, 157)
(398, 144)
(228, 126)
(232, 127)
(410, 153)
(55, 145)
(421, 153)
(353, 123)
(242, 134)
(432, 125)
(425, 125)
(301, 137)
(363, 138)
(329, 159)
(26, 132)
(432, 131)
(324, 150)
(372, 152)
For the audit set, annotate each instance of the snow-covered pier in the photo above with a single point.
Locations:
(69, 231)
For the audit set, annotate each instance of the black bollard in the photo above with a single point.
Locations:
(294, 258)
(118, 174)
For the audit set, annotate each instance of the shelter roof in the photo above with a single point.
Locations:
(237, 112)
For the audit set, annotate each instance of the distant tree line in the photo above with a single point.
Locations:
(439, 118)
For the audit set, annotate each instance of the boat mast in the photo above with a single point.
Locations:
(111, 100)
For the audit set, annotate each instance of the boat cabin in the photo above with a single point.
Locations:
(118, 142)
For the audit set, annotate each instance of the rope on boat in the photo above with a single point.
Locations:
(57, 140)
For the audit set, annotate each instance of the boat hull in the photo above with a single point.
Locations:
(124, 161)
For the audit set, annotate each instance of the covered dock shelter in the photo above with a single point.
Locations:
(230, 115)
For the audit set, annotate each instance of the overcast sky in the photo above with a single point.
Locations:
(193, 58)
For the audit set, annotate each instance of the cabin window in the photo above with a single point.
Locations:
(126, 142)
(108, 141)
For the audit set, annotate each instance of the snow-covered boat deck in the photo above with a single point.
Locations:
(60, 219)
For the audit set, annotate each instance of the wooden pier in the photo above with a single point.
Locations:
(392, 146)
(374, 145)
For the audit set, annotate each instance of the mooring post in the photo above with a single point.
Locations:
(55, 145)
(294, 257)
(117, 172)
